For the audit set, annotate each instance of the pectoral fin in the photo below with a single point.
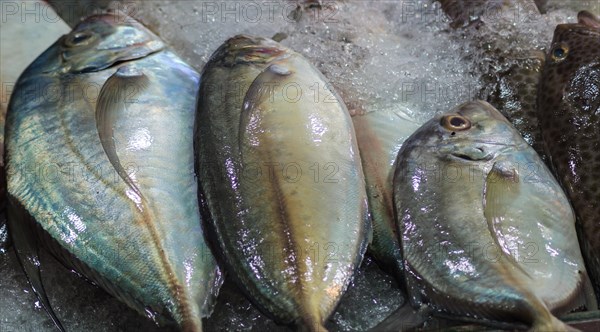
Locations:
(263, 87)
(586, 18)
(259, 96)
(26, 247)
(120, 90)
(502, 188)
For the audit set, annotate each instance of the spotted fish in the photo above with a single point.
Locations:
(100, 170)
(281, 179)
(487, 233)
(569, 102)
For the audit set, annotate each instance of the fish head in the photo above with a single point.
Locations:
(471, 132)
(571, 79)
(102, 40)
(244, 49)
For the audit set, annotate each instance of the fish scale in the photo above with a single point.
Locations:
(145, 247)
(568, 106)
(290, 233)
(487, 234)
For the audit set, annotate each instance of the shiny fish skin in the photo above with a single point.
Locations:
(380, 135)
(146, 248)
(568, 109)
(291, 242)
(487, 233)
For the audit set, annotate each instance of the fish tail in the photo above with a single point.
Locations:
(311, 323)
(551, 324)
(189, 316)
(311, 327)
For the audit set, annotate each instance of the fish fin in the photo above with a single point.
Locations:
(404, 318)
(586, 18)
(264, 84)
(260, 90)
(114, 97)
(27, 250)
(502, 187)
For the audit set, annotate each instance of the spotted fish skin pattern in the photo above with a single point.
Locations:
(515, 93)
(291, 241)
(465, 181)
(569, 106)
(144, 246)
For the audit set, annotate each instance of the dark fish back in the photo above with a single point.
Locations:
(568, 106)
(514, 93)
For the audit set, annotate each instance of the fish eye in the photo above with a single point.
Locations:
(79, 38)
(455, 122)
(559, 52)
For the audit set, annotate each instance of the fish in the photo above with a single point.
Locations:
(509, 62)
(568, 111)
(380, 135)
(280, 178)
(463, 13)
(100, 170)
(487, 233)
(514, 93)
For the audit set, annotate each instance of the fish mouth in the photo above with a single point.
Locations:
(466, 157)
(481, 153)
(99, 65)
(112, 37)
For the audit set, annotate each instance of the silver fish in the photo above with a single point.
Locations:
(487, 233)
(99, 154)
(281, 178)
(380, 135)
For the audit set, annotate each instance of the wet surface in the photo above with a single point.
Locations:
(393, 55)
(81, 306)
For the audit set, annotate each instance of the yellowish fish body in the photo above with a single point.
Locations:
(281, 178)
